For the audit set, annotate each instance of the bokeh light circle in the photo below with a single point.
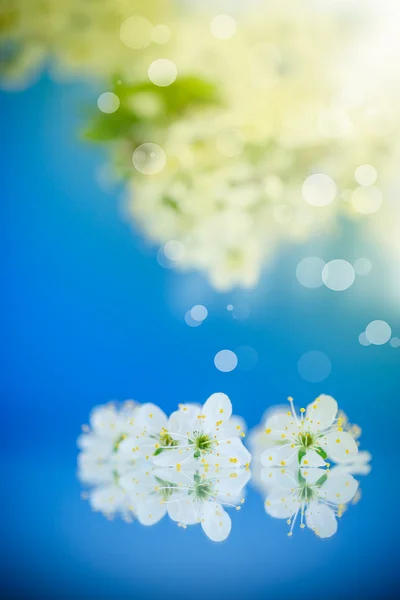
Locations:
(309, 272)
(362, 266)
(163, 260)
(223, 27)
(395, 342)
(162, 72)
(365, 175)
(149, 158)
(364, 341)
(136, 32)
(314, 366)
(225, 361)
(160, 34)
(319, 189)
(174, 250)
(338, 275)
(190, 321)
(108, 102)
(366, 200)
(199, 312)
(378, 332)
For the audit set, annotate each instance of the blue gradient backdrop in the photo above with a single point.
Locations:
(88, 316)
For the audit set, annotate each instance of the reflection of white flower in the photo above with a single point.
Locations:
(317, 495)
(188, 496)
(289, 457)
(359, 464)
(147, 433)
(310, 437)
(105, 494)
(125, 446)
(109, 425)
(148, 494)
(206, 434)
(202, 494)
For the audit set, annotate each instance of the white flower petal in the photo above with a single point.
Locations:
(174, 507)
(279, 479)
(132, 448)
(107, 499)
(230, 483)
(321, 413)
(105, 421)
(174, 457)
(234, 427)
(184, 421)
(278, 455)
(312, 474)
(234, 450)
(217, 411)
(339, 488)
(312, 459)
(340, 446)
(281, 505)
(151, 417)
(321, 519)
(216, 522)
(100, 448)
(280, 424)
(258, 441)
(93, 472)
(151, 511)
(188, 513)
(358, 464)
(182, 478)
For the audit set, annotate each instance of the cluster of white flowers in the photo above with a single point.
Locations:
(291, 454)
(144, 465)
(75, 37)
(230, 189)
(228, 184)
(141, 464)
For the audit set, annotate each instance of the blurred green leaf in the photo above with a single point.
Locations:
(130, 123)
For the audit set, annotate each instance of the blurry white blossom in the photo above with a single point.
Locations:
(313, 495)
(141, 464)
(293, 464)
(310, 438)
(242, 110)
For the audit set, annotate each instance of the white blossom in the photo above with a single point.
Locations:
(316, 496)
(312, 438)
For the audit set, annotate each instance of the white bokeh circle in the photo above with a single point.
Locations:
(362, 266)
(319, 189)
(365, 175)
(223, 27)
(314, 366)
(366, 200)
(378, 332)
(338, 275)
(199, 312)
(149, 158)
(309, 272)
(174, 250)
(225, 361)
(108, 102)
(364, 341)
(136, 32)
(162, 72)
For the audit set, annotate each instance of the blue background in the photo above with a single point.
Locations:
(90, 316)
